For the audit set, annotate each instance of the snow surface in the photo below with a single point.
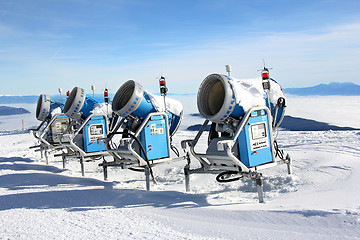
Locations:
(320, 200)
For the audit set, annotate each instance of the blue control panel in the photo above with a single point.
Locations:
(94, 130)
(254, 140)
(154, 138)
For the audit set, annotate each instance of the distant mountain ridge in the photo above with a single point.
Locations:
(333, 88)
(18, 99)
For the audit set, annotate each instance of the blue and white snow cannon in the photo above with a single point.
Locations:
(132, 101)
(89, 124)
(243, 115)
(53, 120)
(222, 98)
(148, 123)
(53, 125)
(45, 107)
(78, 104)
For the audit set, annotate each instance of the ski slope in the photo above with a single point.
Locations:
(320, 200)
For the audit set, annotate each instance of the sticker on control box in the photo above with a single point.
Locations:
(96, 131)
(154, 130)
(258, 136)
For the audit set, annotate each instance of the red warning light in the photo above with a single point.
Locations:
(106, 96)
(163, 88)
(67, 93)
(265, 75)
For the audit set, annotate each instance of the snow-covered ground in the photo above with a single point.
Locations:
(320, 200)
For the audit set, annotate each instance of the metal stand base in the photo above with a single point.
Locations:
(130, 164)
(105, 170)
(255, 176)
(63, 156)
(147, 178)
(46, 157)
(82, 166)
(260, 187)
(187, 177)
(289, 164)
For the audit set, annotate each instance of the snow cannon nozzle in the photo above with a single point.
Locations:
(132, 101)
(45, 106)
(80, 104)
(222, 99)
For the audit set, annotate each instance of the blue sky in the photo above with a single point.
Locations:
(47, 44)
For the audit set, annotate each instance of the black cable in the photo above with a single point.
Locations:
(220, 177)
(136, 169)
(175, 150)
(278, 153)
(141, 148)
(113, 145)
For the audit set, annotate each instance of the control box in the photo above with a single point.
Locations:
(154, 138)
(95, 129)
(58, 127)
(254, 140)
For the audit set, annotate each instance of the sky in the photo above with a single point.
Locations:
(50, 44)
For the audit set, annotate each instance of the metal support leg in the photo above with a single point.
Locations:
(147, 177)
(46, 157)
(187, 177)
(63, 156)
(260, 187)
(289, 165)
(42, 152)
(105, 171)
(82, 166)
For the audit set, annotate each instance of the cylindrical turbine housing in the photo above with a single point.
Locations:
(45, 107)
(132, 99)
(78, 102)
(220, 97)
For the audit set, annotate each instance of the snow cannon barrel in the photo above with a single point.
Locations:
(78, 103)
(45, 107)
(132, 99)
(221, 97)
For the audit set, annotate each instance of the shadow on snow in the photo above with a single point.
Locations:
(39, 196)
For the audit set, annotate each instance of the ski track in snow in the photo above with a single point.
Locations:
(321, 200)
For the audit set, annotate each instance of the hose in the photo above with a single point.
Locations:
(220, 177)
(141, 148)
(278, 153)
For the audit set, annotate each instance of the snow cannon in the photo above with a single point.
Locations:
(222, 98)
(45, 107)
(145, 129)
(133, 102)
(53, 125)
(243, 114)
(80, 104)
(93, 123)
